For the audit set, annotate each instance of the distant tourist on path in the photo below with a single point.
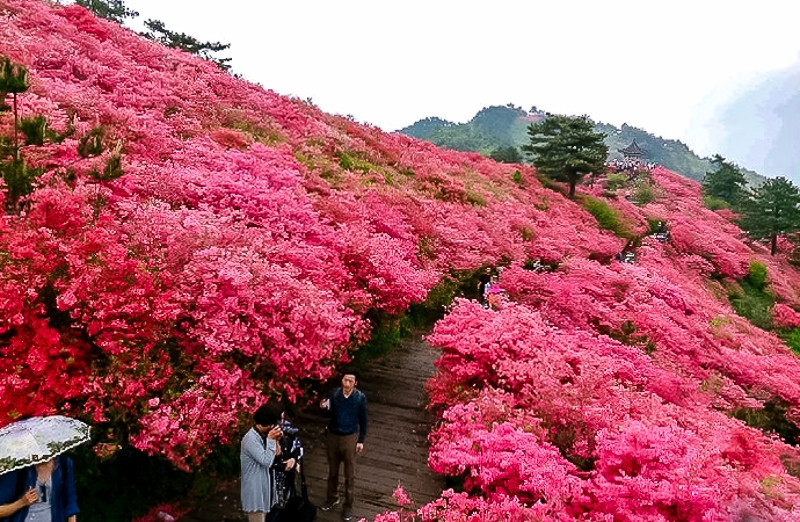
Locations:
(483, 286)
(346, 431)
(258, 451)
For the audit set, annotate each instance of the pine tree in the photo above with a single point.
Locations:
(159, 33)
(113, 10)
(16, 174)
(508, 154)
(726, 183)
(13, 80)
(566, 148)
(772, 211)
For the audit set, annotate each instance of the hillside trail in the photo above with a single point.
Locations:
(395, 450)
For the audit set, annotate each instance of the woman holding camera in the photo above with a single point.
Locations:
(259, 450)
(270, 456)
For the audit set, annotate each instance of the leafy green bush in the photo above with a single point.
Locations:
(19, 178)
(654, 225)
(440, 297)
(387, 332)
(92, 143)
(607, 218)
(715, 203)
(644, 193)
(626, 334)
(757, 275)
(345, 160)
(615, 181)
(508, 154)
(111, 171)
(770, 419)
(517, 177)
(34, 129)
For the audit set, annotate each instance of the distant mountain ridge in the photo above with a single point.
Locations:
(506, 126)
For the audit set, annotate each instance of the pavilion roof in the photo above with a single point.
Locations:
(632, 150)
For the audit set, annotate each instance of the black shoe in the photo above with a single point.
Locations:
(347, 516)
(327, 506)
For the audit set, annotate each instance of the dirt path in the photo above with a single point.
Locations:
(396, 449)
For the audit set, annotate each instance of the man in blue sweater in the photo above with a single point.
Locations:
(345, 438)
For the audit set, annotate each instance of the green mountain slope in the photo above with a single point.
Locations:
(504, 126)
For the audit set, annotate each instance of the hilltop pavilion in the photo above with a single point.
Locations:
(633, 152)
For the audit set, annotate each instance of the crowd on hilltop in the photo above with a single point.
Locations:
(630, 166)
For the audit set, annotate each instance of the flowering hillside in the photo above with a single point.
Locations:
(246, 238)
(242, 247)
(613, 391)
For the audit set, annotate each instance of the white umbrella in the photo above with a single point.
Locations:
(39, 439)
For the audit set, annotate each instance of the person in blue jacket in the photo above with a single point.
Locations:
(44, 492)
(347, 407)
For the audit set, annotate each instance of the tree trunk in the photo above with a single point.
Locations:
(774, 245)
(572, 189)
(16, 126)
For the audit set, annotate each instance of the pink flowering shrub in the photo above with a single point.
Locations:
(241, 249)
(785, 316)
(250, 235)
(592, 426)
(627, 370)
(461, 507)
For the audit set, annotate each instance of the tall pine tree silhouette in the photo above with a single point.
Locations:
(13, 80)
(114, 10)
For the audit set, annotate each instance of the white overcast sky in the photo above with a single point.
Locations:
(667, 67)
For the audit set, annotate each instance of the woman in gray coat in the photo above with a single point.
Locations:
(259, 448)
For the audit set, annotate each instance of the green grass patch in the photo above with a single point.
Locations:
(351, 161)
(550, 184)
(792, 339)
(770, 419)
(259, 133)
(754, 304)
(607, 217)
(475, 199)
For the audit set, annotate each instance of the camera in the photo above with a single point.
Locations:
(287, 428)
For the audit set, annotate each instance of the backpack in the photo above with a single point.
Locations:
(298, 508)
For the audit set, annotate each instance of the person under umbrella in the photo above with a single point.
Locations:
(49, 493)
(36, 480)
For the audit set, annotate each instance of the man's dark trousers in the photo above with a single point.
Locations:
(341, 448)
